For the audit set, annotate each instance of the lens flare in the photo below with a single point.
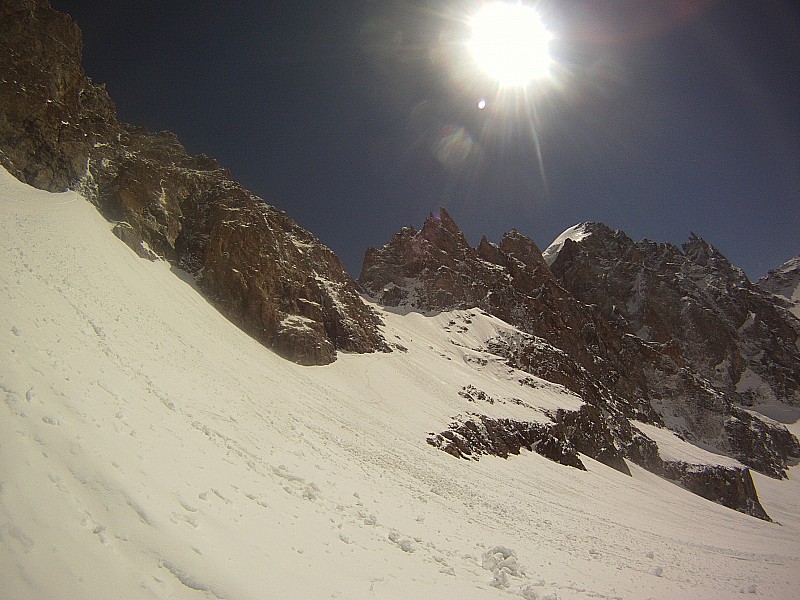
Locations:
(455, 148)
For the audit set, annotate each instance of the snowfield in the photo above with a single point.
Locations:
(150, 449)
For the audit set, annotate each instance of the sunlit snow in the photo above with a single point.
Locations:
(576, 233)
(149, 449)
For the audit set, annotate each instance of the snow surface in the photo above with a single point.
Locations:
(150, 449)
(575, 233)
(673, 448)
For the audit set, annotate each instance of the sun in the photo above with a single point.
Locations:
(510, 43)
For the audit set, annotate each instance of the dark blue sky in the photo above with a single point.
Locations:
(358, 118)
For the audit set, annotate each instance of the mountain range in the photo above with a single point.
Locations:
(641, 364)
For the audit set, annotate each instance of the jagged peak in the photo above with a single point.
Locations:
(485, 242)
(785, 281)
(700, 252)
(697, 244)
(442, 232)
(441, 219)
(515, 234)
(522, 248)
(790, 266)
(490, 252)
(575, 233)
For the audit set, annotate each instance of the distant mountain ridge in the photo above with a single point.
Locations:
(692, 302)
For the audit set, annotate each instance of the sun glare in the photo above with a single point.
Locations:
(510, 43)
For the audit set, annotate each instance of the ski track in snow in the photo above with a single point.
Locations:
(149, 447)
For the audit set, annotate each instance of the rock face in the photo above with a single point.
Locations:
(58, 131)
(584, 432)
(476, 435)
(694, 304)
(728, 486)
(785, 282)
(723, 333)
(632, 341)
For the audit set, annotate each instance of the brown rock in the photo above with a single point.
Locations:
(59, 130)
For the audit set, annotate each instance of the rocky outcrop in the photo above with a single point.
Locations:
(592, 433)
(587, 432)
(52, 115)
(760, 444)
(477, 435)
(59, 130)
(729, 486)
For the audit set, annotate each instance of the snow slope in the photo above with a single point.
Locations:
(673, 448)
(150, 449)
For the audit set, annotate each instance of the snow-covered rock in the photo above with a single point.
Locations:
(785, 282)
(575, 234)
(692, 305)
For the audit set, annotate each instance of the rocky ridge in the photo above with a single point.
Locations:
(435, 268)
(574, 432)
(694, 304)
(785, 283)
(586, 346)
(58, 130)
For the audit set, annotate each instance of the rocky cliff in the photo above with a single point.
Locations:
(58, 130)
(692, 303)
(656, 361)
(784, 282)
